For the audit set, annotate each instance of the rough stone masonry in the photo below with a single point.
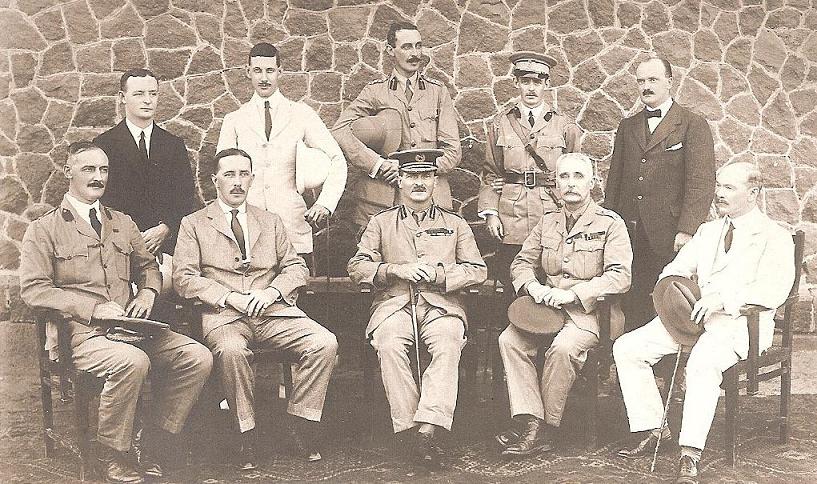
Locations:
(749, 66)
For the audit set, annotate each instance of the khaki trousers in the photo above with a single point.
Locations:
(314, 345)
(178, 366)
(543, 396)
(444, 337)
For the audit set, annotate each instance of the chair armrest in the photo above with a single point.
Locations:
(752, 309)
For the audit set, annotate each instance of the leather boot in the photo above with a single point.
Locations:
(426, 450)
(536, 438)
(687, 471)
(247, 459)
(148, 466)
(644, 447)
(303, 432)
(115, 466)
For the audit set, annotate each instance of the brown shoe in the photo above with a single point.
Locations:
(506, 438)
(426, 450)
(644, 448)
(535, 439)
(247, 459)
(115, 466)
(303, 432)
(687, 471)
(148, 467)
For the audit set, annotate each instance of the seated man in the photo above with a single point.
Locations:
(422, 248)
(237, 259)
(741, 258)
(584, 252)
(80, 260)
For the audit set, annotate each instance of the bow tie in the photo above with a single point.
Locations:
(652, 114)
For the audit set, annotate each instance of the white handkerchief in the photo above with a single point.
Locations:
(676, 146)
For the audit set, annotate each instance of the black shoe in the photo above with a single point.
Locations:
(426, 450)
(302, 432)
(115, 466)
(247, 460)
(506, 438)
(148, 466)
(536, 438)
(644, 448)
(687, 471)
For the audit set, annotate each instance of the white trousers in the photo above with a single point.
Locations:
(637, 351)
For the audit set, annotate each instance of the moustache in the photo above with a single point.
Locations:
(237, 191)
(96, 185)
(647, 92)
(415, 59)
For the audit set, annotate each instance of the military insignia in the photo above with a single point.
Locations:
(420, 157)
(594, 235)
(439, 231)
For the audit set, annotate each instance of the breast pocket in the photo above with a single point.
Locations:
(589, 256)
(551, 254)
(70, 264)
(428, 123)
(121, 254)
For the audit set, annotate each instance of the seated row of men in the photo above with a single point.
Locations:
(237, 260)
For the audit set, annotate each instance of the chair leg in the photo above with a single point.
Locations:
(47, 407)
(81, 401)
(287, 371)
(369, 389)
(785, 400)
(731, 379)
(592, 407)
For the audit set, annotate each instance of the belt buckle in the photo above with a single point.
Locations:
(529, 178)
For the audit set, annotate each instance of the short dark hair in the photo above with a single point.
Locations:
(663, 60)
(81, 146)
(264, 49)
(230, 152)
(391, 36)
(139, 72)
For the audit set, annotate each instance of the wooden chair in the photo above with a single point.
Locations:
(597, 368)
(85, 387)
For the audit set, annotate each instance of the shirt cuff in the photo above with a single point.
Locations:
(373, 173)
(222, 303)
(488, 211)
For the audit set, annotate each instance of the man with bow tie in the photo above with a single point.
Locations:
(661, 181)
(269, 127)
(743, 257)
(237, 260)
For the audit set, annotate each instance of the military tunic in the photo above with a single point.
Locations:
(428, 121)
(442, 240)
(592, 259)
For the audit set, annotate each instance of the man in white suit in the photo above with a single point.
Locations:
(741, 258)
(269, 127)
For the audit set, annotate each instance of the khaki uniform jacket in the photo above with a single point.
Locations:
(442, 240)
(67, 267)
(593, 259)
(207, 264)
(429, 121)
(519, 208)
(273, 161)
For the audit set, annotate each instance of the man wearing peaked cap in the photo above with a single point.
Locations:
(427, 120)
(417, 246)
(524, 140)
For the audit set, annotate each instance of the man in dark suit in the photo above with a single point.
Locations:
(150, 176)
(661, 182)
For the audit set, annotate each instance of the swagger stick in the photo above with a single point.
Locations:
(415, 328)
(666, 409)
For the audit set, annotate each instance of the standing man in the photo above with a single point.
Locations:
(661, 181)
(584, 252)
(428, 122)
(269, 127)
(237, 259)
(80, 259)
(743, 257)
(417, 256)
(518, 176)
(150, 177)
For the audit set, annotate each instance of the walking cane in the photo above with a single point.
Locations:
(666, 409)
(414, 327)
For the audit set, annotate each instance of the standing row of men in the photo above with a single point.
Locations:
(241, 256)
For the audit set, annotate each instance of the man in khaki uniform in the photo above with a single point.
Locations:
(583, 251)
(428, 121)
(80, 259)
(524, 141)
(417, 246)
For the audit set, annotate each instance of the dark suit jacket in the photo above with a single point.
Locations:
(161, 191)
(666, 182)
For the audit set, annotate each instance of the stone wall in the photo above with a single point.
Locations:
(749, 66)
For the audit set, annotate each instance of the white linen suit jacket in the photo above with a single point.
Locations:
(758, 269)
(273, 161)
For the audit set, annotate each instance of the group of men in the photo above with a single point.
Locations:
(131, 209)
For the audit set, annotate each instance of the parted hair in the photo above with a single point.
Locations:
(391, 36)
(230, 152)
(264, 49)
(81, 146)
(139, 72)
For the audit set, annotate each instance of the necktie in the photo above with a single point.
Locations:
(652, 114)
(267, 122)
(730, 234)
(238, 232)
(571, 221)
(418, 216)
(95, 223)
(409, 92)
(530, 118)
(143, 147)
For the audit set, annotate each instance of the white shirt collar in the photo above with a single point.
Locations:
(402, 80)
(664, 107)
(274, 99)
(538, 111)
(82, 208)
(136, 131)
(748, 219)
(228, 209)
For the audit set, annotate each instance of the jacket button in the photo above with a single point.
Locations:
(641, 178)
(408, 108)
(533, 136)
(640, 197)
(412, 125)
(565, 260)
(419, 234)
(413, 143)
(104, 266)
(569, 241)
(566, 275)
(643, 160)
(237, 259)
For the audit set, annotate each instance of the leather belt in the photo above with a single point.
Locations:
(530, 179)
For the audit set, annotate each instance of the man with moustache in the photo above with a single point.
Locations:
(269, 127)
(80, 259)
(417, 256)
(237, 260)
(742, 258)
(661, 181)
(150, 176)
(428, 122)
(518, 176)
(583, 251)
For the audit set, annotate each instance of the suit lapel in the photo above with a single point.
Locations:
(254, 118)
(280, 117)
(665, 127)
(219, 222)
(539, 122)
(584, 219)
(254, 226)
(82, 226)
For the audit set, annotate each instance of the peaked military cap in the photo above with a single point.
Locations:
(417, 160)
(529, 63)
